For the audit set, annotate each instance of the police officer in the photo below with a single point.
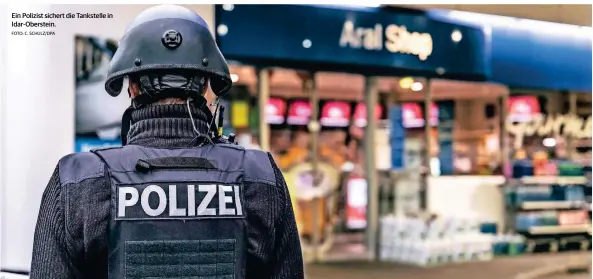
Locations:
(177, 200)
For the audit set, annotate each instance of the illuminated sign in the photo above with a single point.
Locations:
(395, 39)
(560, 125)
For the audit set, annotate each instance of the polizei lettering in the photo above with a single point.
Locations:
(395, 39)
(179, 201)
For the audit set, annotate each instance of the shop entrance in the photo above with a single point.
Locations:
(314, 124)
(332, 207)
(327, 120)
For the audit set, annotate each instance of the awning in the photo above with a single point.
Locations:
(532, 54)
(363, 40)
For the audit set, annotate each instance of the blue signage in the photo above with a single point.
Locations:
(397, 137)
(445, 136)
(367, 41)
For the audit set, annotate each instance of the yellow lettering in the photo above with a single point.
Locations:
(398, 39)
(368, 40)
(586, 132)
(392, 42)
(349, 36)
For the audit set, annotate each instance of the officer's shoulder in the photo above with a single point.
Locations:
(75, 167)
(258, 167)
(226, 144)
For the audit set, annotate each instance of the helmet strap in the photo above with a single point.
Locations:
(126, 122)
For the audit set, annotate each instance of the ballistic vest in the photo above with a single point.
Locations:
(175, 213)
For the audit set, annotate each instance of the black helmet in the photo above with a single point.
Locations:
(168, 39)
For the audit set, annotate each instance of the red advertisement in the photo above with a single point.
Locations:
(523, 108)
(275, 111)
(356, 203)
(360, 114)
(335, 114)
(299, 112)
(413, 116)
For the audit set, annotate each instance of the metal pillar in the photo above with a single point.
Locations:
(504, 143)
(263, 94)
(572, 112)
(371, 92)
(505, 159)
(309, 90)
(427, 145)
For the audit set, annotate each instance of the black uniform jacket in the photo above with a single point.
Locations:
(71, 232)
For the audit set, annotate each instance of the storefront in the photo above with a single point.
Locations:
(324, 63)
(317, 69)
(548, 120)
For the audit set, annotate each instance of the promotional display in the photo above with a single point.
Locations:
(299, 112)
(275, 111)
(360, 114)
(335, 114)
(413, 116)
(356, 203)
(98, 115)
(433, 241)
(313, 197)
(523, 108)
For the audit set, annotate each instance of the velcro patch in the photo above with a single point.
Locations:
(181, 259)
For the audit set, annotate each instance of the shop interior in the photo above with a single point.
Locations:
(341, 217)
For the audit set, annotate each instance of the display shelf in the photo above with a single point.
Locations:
(552, 212)
(562, 229)
(536, 205)
(556, 180)
(546, 205)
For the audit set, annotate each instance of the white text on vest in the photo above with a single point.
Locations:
(228, 197)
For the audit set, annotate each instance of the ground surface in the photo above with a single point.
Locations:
(500, 268)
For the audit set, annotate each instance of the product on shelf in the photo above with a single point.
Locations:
(508, 244)
(550, 206)
(433, 241)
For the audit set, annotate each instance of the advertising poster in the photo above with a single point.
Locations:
(413, 115)
(335, 114)
(356, 203)
(98, 115)
(299, 112)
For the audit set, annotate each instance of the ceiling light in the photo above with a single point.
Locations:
(549, 142)
(307, 43)
(456, 36)
(406, 82)
(222, 30)
(228, 7)
(417, 86)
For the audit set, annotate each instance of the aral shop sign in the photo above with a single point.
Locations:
(570, 126)
(395, 39)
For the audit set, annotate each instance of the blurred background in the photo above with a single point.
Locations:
(418, 141)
